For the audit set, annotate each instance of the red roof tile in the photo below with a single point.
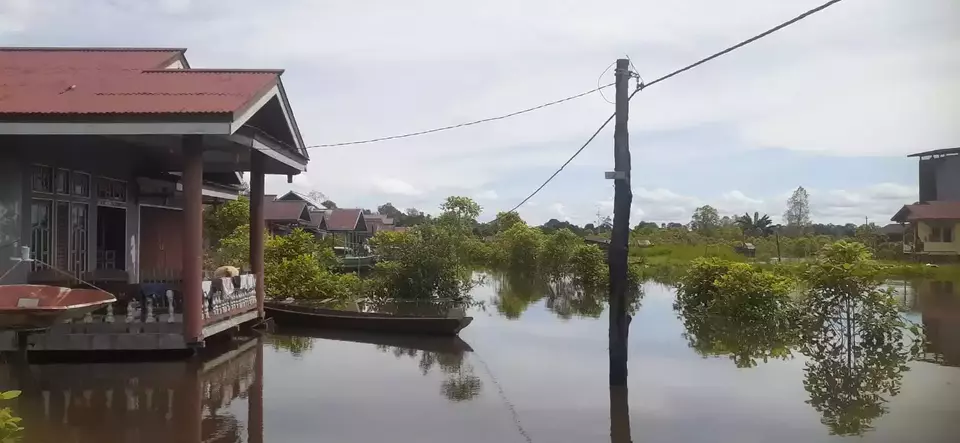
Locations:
(120, 82)
(935, 210)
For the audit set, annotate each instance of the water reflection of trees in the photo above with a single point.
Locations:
(744, 343)
(459, 384)
(296, 345)
(516, 292)
(849, 327)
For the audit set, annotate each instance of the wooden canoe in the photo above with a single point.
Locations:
(37, 307)
(430, 343)
(288, 314)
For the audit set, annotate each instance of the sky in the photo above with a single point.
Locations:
(833, 103)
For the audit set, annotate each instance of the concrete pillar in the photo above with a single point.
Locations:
(257, 223)
(192, 237)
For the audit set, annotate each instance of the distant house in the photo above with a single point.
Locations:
(282, 217)
(602, 242)
(378, 222)
(930, 225)
(893, 232)
(939, 175)
(350, 225)
(312, 204)
(931, 228)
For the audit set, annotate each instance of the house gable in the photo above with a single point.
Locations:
(361, 225)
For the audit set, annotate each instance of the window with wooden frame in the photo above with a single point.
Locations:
(41, 179)
(59, 222)
(61, 181)
(81, 184)
(41, 222)
(941, 234)
(112, 190)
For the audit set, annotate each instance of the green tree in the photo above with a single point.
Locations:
(855, 338)
(797, 215)
(414, 217)
(733, 309)
(329, 204)
(461, 212)
(221, 220)
(427, 261)
(558, 253)
(387, 209)
(756, 225)
(705, 220)
(506, 220)
(234, 249)
(10, 428)
(520, 248)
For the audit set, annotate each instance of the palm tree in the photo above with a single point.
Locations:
(756, 225)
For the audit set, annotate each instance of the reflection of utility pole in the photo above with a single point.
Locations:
(617, 254)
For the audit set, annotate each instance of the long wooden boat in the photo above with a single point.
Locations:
(289, 314)
(37, 307)
(430, 343)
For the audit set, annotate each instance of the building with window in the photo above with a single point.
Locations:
(107, 156)
(931, 224)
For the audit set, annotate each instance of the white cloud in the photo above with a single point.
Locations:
(17, 15)
(394, 186)
(488, 194)
(558, 210)
(861, 78)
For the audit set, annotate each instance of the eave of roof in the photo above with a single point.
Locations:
(945, 151)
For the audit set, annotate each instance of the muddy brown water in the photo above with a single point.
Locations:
(532, 367)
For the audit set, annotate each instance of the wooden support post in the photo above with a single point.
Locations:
(257, 224)
(255, 408)
(192, 247)
(620, 238)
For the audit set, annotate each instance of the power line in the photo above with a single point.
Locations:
(744, 43)
(461, 125)
(575, 154)
(641, 86)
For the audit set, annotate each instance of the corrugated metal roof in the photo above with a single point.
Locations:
(935, 210)
(343, 220)
(45, 81)
(944, 151)
(286, 211)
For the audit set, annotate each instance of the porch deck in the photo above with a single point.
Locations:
(227, 303)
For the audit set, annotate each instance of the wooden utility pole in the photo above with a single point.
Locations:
(619, 241)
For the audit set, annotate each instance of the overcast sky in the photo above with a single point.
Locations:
(834, 103)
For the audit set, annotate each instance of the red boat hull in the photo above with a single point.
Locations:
(32, 307)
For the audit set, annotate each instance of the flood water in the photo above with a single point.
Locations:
(529, 368)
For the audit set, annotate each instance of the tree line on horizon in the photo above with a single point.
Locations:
(705, 220)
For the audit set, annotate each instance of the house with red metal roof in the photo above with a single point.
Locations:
(283, 216)
(349, 225)
(107, 156)
(932, 224)
(931, 228)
